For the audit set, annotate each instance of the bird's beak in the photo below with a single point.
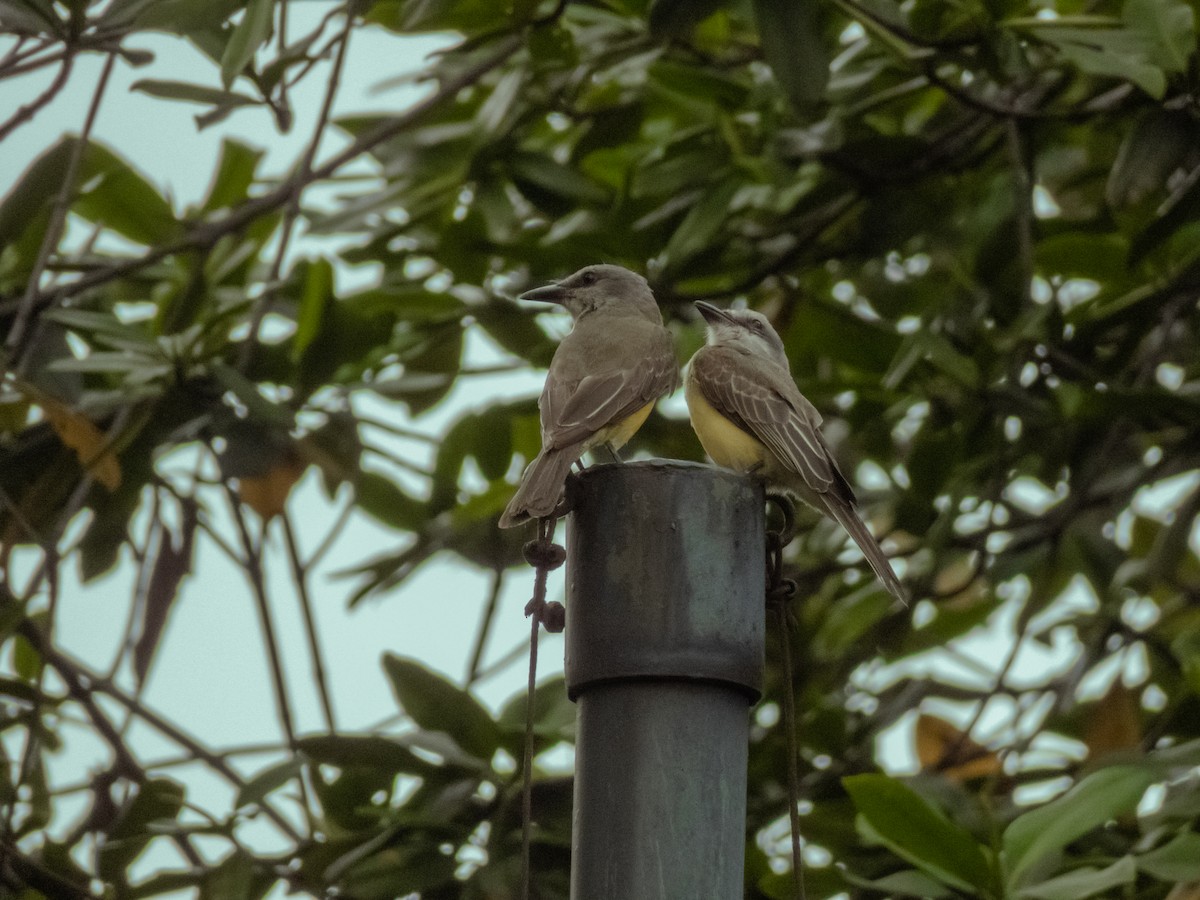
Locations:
(550, 293)
(712, 314)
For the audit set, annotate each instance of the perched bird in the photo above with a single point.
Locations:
(603, 381)
(750, 416)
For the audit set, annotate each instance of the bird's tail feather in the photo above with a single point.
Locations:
(848, 518)
(541, 487)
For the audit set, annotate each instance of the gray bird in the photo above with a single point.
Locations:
(750, 416)
(603, 381)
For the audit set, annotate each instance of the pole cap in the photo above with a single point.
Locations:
(666, 576)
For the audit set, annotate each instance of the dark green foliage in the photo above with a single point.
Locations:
(975, 225)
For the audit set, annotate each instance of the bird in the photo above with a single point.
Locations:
(750, 416)
(604, 378)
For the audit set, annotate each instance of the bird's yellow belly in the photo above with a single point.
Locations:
(619, 433)
(727, 444)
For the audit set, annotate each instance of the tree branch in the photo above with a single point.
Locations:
(300, 579)
(58, 218)
(29, 110)
(73, 670)
(205, 234)
(263, 304)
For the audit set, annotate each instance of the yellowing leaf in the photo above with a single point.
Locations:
(1114, 723)
(943, 748)
(88, 441)
(1189, 891)
(267, 494)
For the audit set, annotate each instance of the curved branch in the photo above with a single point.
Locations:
(205, 234)
(29, 110)
(72, 670)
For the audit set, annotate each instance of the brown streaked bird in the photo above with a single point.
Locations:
(603, 381)
(750, 416)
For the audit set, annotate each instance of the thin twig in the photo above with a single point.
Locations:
(292, 212)
(485, 627)
(15, 51)
(793, 749)
(332, 535)
(58, 218)
(399, 430)
(29, 110)
(34, 875)
(206, 234)
(300, 579)
(252, 564)
(282, 50)
(1024, 224)
(70, 668)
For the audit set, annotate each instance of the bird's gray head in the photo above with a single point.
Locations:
(600, 288)
(743, 329)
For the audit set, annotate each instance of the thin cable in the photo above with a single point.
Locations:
(789, 727)
(780, 591)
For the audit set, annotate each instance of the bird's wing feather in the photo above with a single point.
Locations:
(575, 405)
(767, 404)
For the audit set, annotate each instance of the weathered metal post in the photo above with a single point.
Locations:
(664, 655)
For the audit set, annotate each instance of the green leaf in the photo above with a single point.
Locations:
(1168, 29)
(1087, 881)
(1112, 53)
(908, 883)
(27, 661)
(122, 14)
(172, 564)
(248, 35)
(245, 390)
(270, 778)
(1095, 800)
(437, 705)
(1176, 861)
(919, 833)
(543, 174)
(30, 199)
(553, 711)
(1151, 152)
(790, 34)
(438, 355)
(315, 298)
(373, 751)
(192, 93)
(418, 16)
(944, 356)
(95, 323)
(701, 225)
(381, 499)
(116, 195)
(234, 175)
(199, 20)
(156, 801)
(232, 879)
(677, 18)
(29, 17)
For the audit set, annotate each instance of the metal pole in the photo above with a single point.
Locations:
(664, 655)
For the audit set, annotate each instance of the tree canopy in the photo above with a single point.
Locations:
(974, 222)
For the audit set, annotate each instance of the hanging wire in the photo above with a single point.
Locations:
(780, 591)
(545, 556)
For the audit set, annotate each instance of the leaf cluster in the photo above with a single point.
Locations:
(972, 221)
